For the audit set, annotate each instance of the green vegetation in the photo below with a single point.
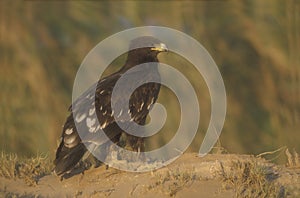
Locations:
(255, 44)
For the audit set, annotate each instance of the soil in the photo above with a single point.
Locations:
(188, 176)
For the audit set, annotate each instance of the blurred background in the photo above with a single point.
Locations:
(255, 44)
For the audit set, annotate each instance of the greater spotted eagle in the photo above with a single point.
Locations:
(72, 149)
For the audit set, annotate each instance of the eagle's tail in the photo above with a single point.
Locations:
(68, 158)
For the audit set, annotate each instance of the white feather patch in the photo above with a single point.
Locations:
(91, 111)
(152, 100)
(104, 125)
(69, 131)
(104, 113)
(80, 117)
(90, 122)
(90, 96)
(120, 113)
(129, 113)
(141, 107)
(92, 129)
(149, 106)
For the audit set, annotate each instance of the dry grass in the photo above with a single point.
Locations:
(251, 179)
(242, 176)
(173, 181)
(293, 162)
(293, 159)
(29, 169)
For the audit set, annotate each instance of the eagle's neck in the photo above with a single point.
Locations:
(132, 62)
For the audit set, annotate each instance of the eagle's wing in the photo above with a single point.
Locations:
(94, 104)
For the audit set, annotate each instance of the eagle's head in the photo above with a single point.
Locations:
(145, 49)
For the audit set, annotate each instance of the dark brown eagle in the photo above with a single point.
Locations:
(72, 151)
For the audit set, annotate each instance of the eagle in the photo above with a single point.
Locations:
(72, 151)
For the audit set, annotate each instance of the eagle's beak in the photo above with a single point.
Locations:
(160, 47)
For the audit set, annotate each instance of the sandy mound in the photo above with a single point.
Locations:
(189, 176)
